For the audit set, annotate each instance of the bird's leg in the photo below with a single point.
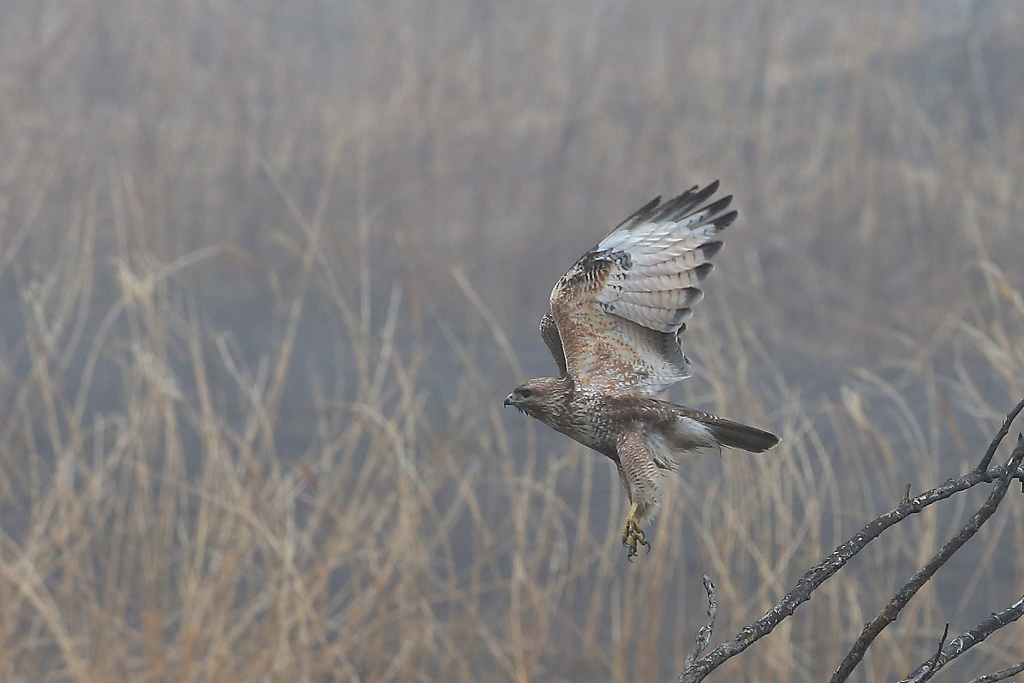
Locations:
(632, 534)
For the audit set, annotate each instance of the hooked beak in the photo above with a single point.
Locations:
(508, 401)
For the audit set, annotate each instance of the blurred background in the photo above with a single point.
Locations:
(268, 269)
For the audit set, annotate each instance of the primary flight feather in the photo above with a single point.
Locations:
(613, 329)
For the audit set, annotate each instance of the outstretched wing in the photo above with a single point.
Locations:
(620, 308)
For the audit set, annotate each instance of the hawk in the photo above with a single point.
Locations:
(613, 328)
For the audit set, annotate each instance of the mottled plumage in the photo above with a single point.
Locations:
(613, 330)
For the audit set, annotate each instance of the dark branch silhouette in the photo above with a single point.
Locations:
(1000, 435)
(999, 675)
(904, 594)
(704, 634)
(966, 641)
(696, 670)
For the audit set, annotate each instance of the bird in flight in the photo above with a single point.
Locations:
(613, 328)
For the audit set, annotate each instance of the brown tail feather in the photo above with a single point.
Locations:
(736, 435)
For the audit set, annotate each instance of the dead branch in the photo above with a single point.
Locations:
(998, 438)
(965, 642)
(698, 670)
(999, 675)
(704, 634)
(922, 576)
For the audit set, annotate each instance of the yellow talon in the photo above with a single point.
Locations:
(632, 534)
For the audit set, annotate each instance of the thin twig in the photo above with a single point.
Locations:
(999, 675)
(965, 642)
(985, 461)
(925, 573)
(704, 634)
(938, 651)
(821, 572)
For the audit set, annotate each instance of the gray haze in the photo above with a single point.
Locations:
(251, 249)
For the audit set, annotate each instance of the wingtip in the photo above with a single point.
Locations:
(640, 215)
(725, 220)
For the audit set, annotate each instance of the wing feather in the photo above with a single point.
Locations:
(549, 333)
(674, 299)
(619, 310)
(685, 266)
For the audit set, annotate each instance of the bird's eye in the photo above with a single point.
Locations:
(525, 393)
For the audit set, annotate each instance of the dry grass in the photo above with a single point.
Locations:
(267, 272)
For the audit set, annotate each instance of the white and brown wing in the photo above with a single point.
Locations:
(620, 308)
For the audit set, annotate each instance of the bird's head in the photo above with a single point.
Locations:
(536, 396)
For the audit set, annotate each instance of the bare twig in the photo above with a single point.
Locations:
(965, 642)
(704, 634)
(938, 651)
(923, 575)
(698, 670)
(1003, 430)
(999, 675)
